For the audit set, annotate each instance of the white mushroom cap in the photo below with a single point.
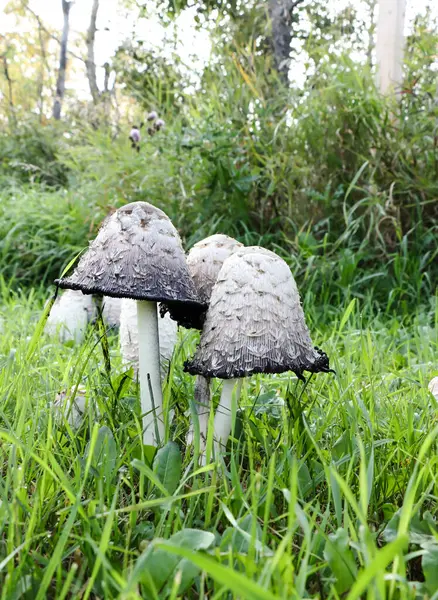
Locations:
(137, 254)
(433, 387)
(167, 333)
(255, 323)
(205, 260)
(111, 308)
(70, 315)
(72, 406)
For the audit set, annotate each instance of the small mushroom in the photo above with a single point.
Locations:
(138, 254)
(167, 333)
(205, 260)
(433, 387)
(73, 310)
(111, 308)
(73, 405)
(70, 316)
(254, 324)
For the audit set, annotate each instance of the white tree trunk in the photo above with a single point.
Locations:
(390, 45)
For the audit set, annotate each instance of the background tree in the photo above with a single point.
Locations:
(60, 82)
(90, 62)
(283, 14)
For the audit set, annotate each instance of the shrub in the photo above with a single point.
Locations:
(40, 231)
(29, 153)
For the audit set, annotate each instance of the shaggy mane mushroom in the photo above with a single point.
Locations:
(138, 254)
(254, 324)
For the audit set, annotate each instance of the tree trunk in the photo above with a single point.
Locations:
(9, 80)
(390, 45)
(91, 65)
(281, 15)
(42, 70)
(60, 83)
(371, 4)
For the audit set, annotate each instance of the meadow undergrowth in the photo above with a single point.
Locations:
(327, 490)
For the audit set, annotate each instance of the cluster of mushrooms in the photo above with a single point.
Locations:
(243, 299)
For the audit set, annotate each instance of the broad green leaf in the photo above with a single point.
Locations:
(194, 540)
(346, 315)
(304, 478)
(341, 560)
(156, 568)
(103, 462)
(429, 562)
(238, 584)
(379, 563)
(167, 465)
(151, 475)
(421, 530)
(241, 536)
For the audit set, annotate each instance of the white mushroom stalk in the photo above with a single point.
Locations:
(167, 334)
(225, 412)
(138, 254)
(254, 324)
(151, 395)
(205, 260)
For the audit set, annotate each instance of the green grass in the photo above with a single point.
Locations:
(326, 491)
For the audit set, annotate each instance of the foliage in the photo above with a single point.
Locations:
(29, 152)
(41, 231)
(338, 180)
(325, 489)
(148, 77)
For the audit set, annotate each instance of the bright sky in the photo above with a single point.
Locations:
(115, 24)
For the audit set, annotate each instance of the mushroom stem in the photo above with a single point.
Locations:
(149, 364)
(202, 403)
(225, 413)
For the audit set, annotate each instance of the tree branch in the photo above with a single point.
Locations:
(295, 4)
(49, 33)
(9, 80)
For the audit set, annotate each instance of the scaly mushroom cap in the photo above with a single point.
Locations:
(205, 260)
(255, 323)
(136, 254)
